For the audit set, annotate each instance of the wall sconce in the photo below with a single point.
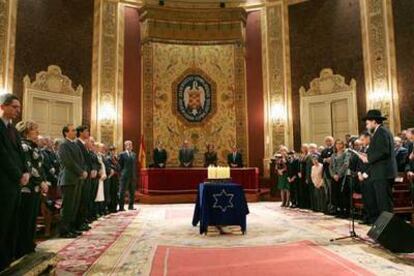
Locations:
(278, 113)
(107, 112)
(3, 91)
(379, 95)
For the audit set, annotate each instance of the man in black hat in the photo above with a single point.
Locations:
(382, 165)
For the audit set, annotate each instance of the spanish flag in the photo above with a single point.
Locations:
(141, 156)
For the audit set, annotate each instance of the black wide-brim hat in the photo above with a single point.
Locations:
(374, 114)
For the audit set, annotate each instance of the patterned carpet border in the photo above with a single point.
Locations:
(79, 255)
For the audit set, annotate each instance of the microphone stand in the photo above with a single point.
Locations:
(352, 234)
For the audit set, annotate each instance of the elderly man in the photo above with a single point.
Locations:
(186, 155)
(128, 175)
(13, 174)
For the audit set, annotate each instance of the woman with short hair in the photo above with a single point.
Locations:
(30, 193)
(338, 170)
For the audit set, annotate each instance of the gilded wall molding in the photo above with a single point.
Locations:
(247, 5)
(8, 10)
(107, 72)
(276, 79)
(192, 26)
(379, 59)
(242, 138)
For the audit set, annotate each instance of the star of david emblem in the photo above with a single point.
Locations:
(223, 200)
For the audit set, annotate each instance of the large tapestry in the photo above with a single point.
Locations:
(194, 92)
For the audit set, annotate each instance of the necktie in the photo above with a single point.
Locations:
(11, 134)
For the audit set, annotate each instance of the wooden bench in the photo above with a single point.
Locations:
(402, 197)
(47, 218)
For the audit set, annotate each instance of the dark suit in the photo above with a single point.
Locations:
(235, 159)
(86, 186)
(367, 192)
(382, 169)
(128, 178)
(293, 168)
(210, 158)
(94, 186)
(114, 182)
(12, 167)
(401, 155)
(73, 165)
(186, 157)
(160, 158)
(327, 153)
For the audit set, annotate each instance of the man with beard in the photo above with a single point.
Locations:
(381, 159)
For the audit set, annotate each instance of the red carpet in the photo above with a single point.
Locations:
(301, 258)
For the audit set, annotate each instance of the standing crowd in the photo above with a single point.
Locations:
(325, 178)
(89, 177)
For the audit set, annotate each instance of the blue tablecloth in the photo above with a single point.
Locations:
(220, 204)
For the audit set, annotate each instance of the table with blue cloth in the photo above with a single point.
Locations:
(220, 204)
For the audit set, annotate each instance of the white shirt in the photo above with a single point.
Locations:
(6, 122)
